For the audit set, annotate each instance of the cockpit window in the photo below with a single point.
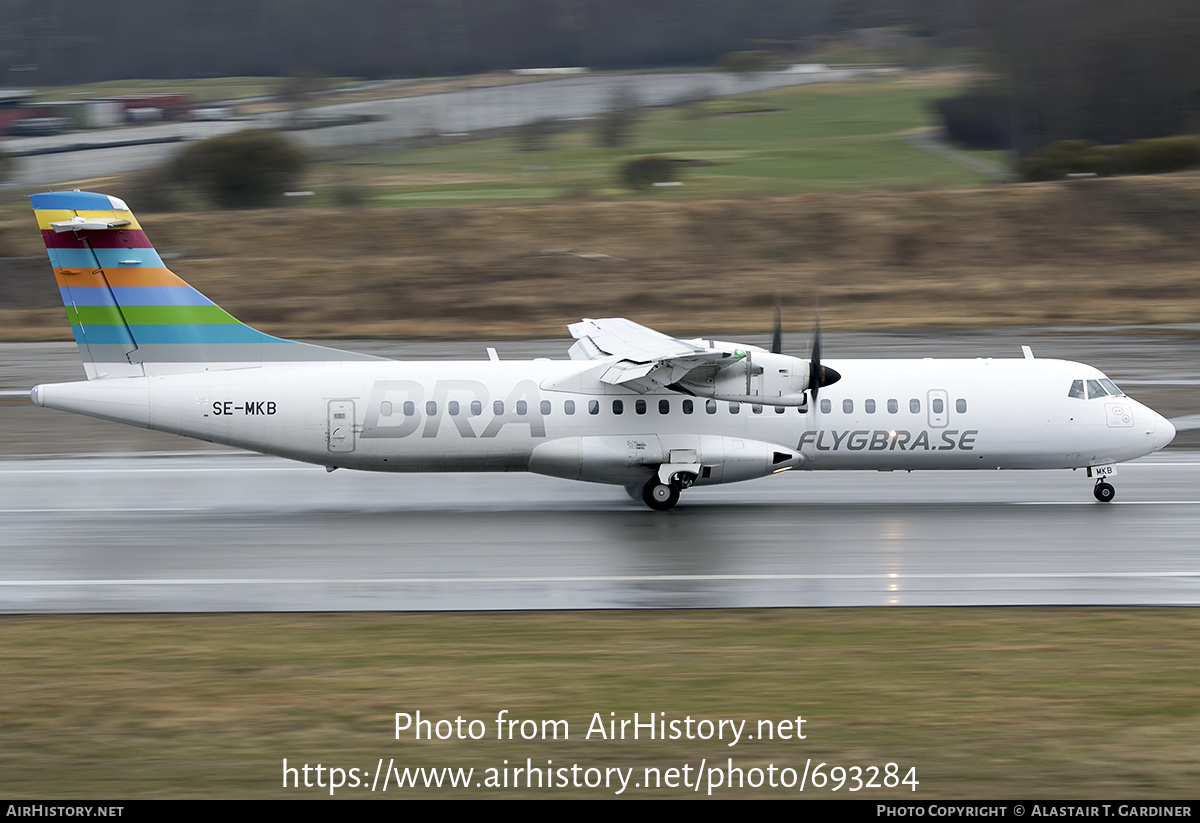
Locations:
(1095, 388)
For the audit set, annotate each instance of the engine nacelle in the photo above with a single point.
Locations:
(626, 459)
(758, 377)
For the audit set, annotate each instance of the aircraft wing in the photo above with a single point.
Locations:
(645, 358)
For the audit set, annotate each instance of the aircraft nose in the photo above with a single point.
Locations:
(1164, 431)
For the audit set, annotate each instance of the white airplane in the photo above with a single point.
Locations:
(631, 406)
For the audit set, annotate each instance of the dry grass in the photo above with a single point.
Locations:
(1099, 251)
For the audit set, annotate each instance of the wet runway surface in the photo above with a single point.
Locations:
(222, 532)
(207, 530)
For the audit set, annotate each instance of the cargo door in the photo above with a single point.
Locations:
(340, 434)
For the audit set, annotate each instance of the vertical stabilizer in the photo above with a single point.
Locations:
(130, 314)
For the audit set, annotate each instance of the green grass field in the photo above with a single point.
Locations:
(791, 141)
(983, 703)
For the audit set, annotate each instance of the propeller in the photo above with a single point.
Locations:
(777, 338)
(819, 375)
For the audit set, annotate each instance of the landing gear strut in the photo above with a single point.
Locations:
(660, 496)
(1104, 492)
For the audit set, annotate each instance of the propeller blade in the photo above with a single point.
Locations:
(777, 340)
(820, 375)
(814, 366)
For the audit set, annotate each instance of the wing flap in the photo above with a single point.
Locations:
(644, 359)
(629, 340)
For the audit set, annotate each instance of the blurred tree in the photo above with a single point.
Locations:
(296, 91)
(615, 126)
(1152, 156)
(746, 64)
(535, 135)
(979, 118)
(246, 169)
(643, 172)
(7, 163)
(1100, 70)
(154, 190)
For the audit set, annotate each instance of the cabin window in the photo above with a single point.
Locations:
(893, 406)
(756, 408)
(545, 407)
(938, 405)
(522, 407)
(593, 407)
(639, 406)
(498, 407)
(960, 405)
(914, 406)
(848, 406)
(826, 407)
(1095, 389)
(688, 406)
(569, 406)
(710, 406)
(869, 406)
(476, 408)
(431, 408)
(734, 408)
(780, 409)
(452, 407)
(664, 406)
(410, 408)
(618, 407)
(385, 408)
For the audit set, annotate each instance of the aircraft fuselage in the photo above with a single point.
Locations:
(551, 417)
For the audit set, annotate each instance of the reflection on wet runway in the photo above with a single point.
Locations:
(228, 531)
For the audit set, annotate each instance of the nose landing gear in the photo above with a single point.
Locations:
(1104, 491)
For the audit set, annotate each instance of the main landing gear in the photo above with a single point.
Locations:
(1104, 491)
(660, 496)
(663, 496)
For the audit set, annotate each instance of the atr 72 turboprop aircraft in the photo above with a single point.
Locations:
(631, 406)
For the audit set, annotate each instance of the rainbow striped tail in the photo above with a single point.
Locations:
(131, 315)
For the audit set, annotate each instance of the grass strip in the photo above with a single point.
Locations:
(1053, 703)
